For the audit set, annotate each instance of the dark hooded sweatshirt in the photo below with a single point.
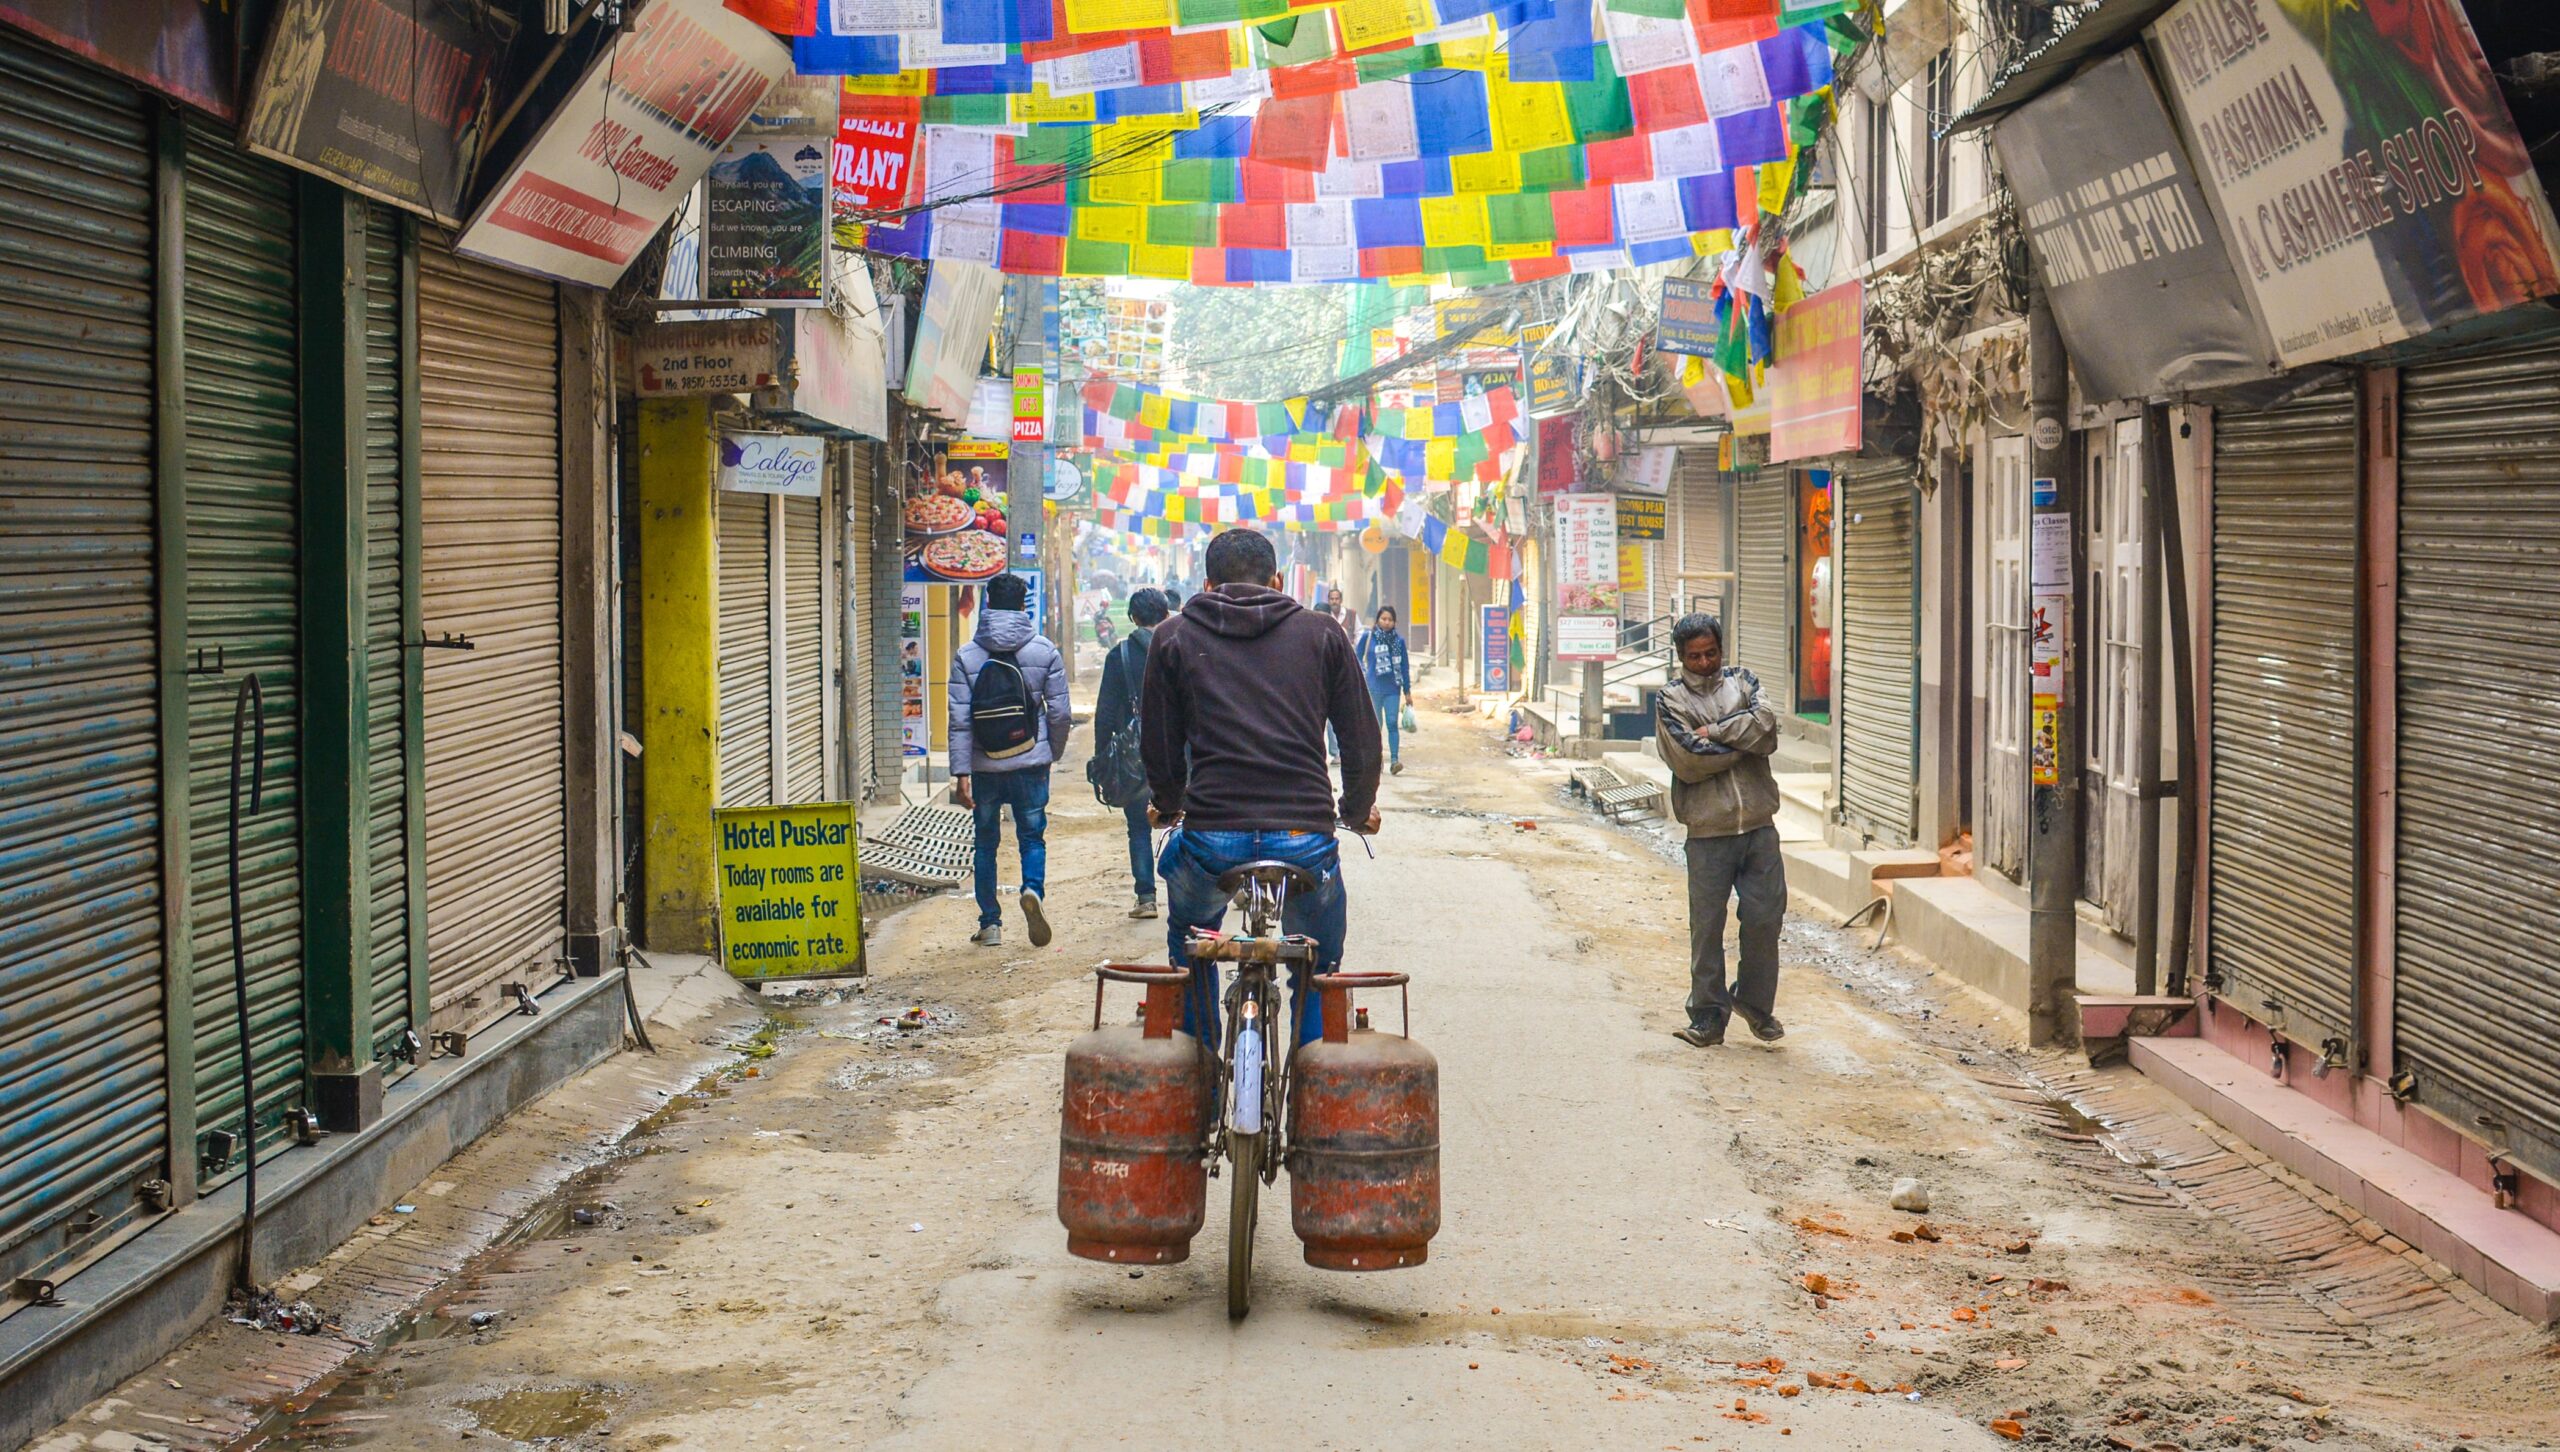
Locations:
(1247, 679)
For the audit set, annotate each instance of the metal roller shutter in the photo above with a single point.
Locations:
(243, 598)
(1879, 654)
(2282, 820)
(746, 651)
(804, 648)
(490, 568)
(83, 1078)
(862, 599)
(1703, 502)
(2477, 992)
(1764, 521)
(386, 625)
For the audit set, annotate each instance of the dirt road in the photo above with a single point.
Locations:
(846, 1238)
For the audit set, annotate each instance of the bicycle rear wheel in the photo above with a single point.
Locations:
(1244, 1200)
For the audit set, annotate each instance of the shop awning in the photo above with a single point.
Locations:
(2099, 30)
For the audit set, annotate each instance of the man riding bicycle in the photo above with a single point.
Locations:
(1239, 689)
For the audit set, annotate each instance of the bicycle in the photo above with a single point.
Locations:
(1249, 1098)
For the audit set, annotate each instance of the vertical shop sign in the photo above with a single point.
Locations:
(1493, 648)
(1030, 406)
(388, 102)
(639, 129)
(764, 228)
(1814, 384)
(790, 891)
(2371, 184)
(1559, 458)
(1587, 591)
(915, 737)
(2048, 641)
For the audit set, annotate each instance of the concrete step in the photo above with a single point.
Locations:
(1980, 937)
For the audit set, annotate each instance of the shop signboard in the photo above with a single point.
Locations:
(1493, 648)
(915, 732)
(1550, 375)
(1688, 322)
(391, 101)
(764, 225)
(2124, 242)
(680, 360)
(953, 538)
(1030, 406)
(874, 160)
(1458, 314)
(183, 48)
(628, 143)
(1640, 517)
(761, 463)
(840, 371)
(790, 891)
(1814, 383)
(1586, 637)
(2370, 183)
(1649, 469)
(1587, 591)
(1559, 453)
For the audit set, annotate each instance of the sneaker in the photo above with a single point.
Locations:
(1767, 1029)
(1395, 768)
(1038, 920)
(1698, 1038)
(990, 936)
(1145, 908)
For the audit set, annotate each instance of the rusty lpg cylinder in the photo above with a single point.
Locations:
(1132, 1185)
(1364, 1137)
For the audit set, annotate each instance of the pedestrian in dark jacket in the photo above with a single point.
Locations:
(1240, 687)
(1717, 731)
(1389, 672)
(1124, 674)
(987, 785)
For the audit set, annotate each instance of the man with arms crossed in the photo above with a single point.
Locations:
(1717, 732)
(1239, 690)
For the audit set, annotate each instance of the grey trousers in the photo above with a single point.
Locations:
(1747, 867)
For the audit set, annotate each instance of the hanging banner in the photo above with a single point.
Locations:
(1814, 383)
(874, 161)
(951, 337)
(642, 126)
(955, 528)
(772, 464)
(1493, 649)
(2369, 179)
(1559, 461)
(681, 360)
(389, 102)
(790, 891)
(1688, 323)
(764, 227)
(1649, 469)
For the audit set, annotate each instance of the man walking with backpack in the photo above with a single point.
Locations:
(1118, 770)
(1009, 721)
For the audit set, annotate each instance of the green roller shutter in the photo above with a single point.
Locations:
(242, 597)
(387, 544)
(83, 1077)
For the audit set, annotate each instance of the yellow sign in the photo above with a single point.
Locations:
(1631, 567)
(790, 891)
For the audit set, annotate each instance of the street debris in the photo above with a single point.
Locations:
(264, 1312)
(1909, 1194)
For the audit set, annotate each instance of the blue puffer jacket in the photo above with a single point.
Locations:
(1044, 674)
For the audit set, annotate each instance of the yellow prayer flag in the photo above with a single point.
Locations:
(1040, 106)
(1111, 224)
(1148, 259)
(1775, 179)
(1440, 459)
(1486, 173)
(904, 83)
(1155, 410)
(1528, 115)
(1453, 222)
(1518, 251)
(1364, 23)
(1086, 17)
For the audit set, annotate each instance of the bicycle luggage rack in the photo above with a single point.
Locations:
(1617, 798)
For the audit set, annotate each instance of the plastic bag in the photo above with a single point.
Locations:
(1407, 721)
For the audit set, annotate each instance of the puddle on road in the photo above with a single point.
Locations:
(863, 1076)
(543, 1414)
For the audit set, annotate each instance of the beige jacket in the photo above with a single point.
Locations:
(1720, 793)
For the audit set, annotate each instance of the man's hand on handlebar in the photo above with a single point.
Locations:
(1368, 826)
(1158, 819)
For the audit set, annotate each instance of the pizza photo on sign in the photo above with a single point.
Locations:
(928, 515)
(970, 555)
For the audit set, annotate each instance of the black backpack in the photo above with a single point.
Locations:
(1118, 769)
(1003, 719)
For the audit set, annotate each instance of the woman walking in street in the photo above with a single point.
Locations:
(1381, 654)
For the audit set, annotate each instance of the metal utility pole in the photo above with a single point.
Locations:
(2053, 737)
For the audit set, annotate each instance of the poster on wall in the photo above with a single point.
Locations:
(954, 515)
(915, 733)
(391, 101)
(2370, 182)
(627, 144)
(1493, 650)
(764, 226)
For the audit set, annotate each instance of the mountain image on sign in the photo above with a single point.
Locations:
(766, 231)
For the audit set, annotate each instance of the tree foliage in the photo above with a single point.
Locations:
(1253, 344)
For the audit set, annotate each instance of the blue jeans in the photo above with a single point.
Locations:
(1027, 792)
(1390, 707)
(1191, 865)
(1142, 855)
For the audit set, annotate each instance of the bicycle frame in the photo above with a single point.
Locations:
(1251, 1001)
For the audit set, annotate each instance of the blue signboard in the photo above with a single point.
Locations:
(1688, 324)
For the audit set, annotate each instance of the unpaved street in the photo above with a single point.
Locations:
(846, 1237)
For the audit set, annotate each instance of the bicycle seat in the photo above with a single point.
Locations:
(1271, 874)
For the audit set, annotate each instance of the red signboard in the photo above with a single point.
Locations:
(1813, 384)
(875, 155)
(1559, 464)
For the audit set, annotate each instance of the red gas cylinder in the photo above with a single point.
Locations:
(1132, 1185)
(1364, 1157)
